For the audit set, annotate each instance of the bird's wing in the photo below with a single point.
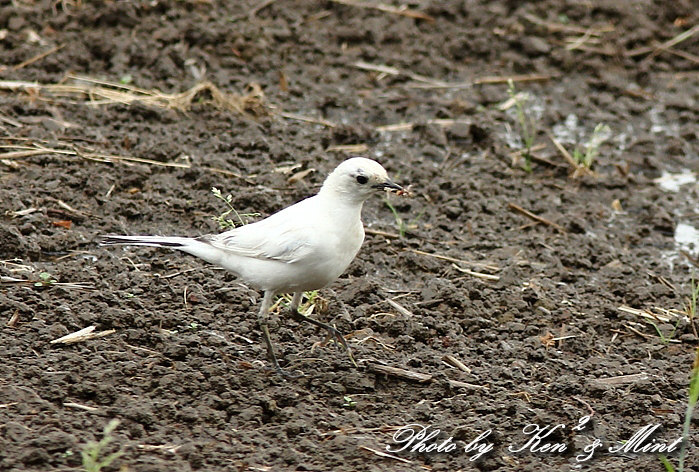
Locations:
(285, 236)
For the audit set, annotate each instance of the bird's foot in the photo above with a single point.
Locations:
(335, 336)
(287, 374)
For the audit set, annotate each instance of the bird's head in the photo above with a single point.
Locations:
(356, 179)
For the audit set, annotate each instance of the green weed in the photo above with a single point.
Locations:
(586, 157)
(46, 280)
(349, 403)
(312, 302)
(93, 451)
(663, 338)
(690, 306)
(528, 124)
(223, 221)
(402, 225)
(691, 404)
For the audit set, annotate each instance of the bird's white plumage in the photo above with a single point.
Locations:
(303, 247)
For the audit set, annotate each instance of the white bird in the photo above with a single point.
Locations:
(303, 247)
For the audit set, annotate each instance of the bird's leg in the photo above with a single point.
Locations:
(333, 333)
(262, 318)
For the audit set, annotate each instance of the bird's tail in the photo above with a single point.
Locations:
(195, 246)
(161, 241)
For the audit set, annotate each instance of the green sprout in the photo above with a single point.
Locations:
(92, 460)
(587, 156)
(223, 221)
(527, 123)
(47, 280)
(690, 306)
(691, 404)
(403, 225)
(666, 339)
(349, 403)
(312, 302)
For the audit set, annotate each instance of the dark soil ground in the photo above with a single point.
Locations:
(185, 368)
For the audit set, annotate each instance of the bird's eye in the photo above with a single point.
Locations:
(362, 179)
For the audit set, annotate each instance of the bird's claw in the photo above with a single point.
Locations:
(287, 374)
(335, 336)
(295, 374)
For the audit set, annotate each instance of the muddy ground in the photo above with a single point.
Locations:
(543, 342)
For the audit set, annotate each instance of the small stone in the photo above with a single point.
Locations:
(535, 46)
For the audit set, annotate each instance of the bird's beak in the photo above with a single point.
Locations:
(388, 185)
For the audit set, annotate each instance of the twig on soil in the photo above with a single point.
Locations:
(483, 266)
(661, 315)
(432, 83)
(491, 80)
(623, 379)
(73, 212)
(400, 308)
(480, 275)
(388, 347)
(349, 148)
(99, 92)
(694, 261)
(173, 275)
(418, 15)
(459, 384)
(84, 334)
(672, 42)
(15, 265)
(578, 169)
(401, 373)
(20, 213)
(38, 149)
(80, 407)
(10, 121)
(139, 348)
(410, 126)
(307, 119)
(13, 319)
(524, 394)
(662, 280)
(165, 448)
(38, 57)
(259, 7)
(536, 218)
(635, 331)
(488, 80)
(347, 431)
(387, 70)
(416, 376)
(590, 409)
(4, 280)
(560, 27)
(578, 42)
(20, 154)
(454, 362)
(376, 232)
(684, 55)
(517, 155)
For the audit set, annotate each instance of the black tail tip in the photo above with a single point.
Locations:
(135, 240)
(109, 240)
